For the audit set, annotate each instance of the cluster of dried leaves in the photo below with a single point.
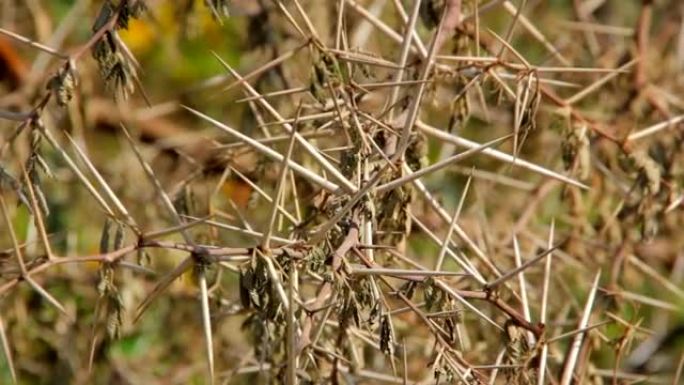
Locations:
(348, 228)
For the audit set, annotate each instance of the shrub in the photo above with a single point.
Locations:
(341, 191)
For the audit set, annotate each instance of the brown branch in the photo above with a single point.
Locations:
(350, 241)
(211, 254)
(450, 22)
(107, 257)
(546, 91)
(485, 295)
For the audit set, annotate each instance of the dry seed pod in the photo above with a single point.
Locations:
(63, 83)
(651, 172)
(103, 53)
(106, 277)
(528, 119)
(349, 161)
(416, 153)
(392, 212)
(326, 72)
(315, 259)
(349, 311)
(114, 306)
(119, 236)
(649, 212)
(517, 351)
(40, 163)
(34, 162)
(8, 182)
(444, 372)
(459, 110)
(648, 170)
(317, 86)
(274, 306)
(576, 150)
(367, 208)
(374, 313)
(386, 335)
(363, 290)
(104, 237)
(433, 296)
(120, 76)
(103, 17)
(132, 9)
(516, 342)
(245, 287)
(115, 310)
(117, 71)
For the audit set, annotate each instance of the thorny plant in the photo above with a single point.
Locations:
(337, 254)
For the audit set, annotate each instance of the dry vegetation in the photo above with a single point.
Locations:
(341, 191)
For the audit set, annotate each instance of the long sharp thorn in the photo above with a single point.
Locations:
(574, 351)
(164, 283)
(206, 322)
(544, 303)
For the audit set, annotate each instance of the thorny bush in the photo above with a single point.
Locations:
(348, 191)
